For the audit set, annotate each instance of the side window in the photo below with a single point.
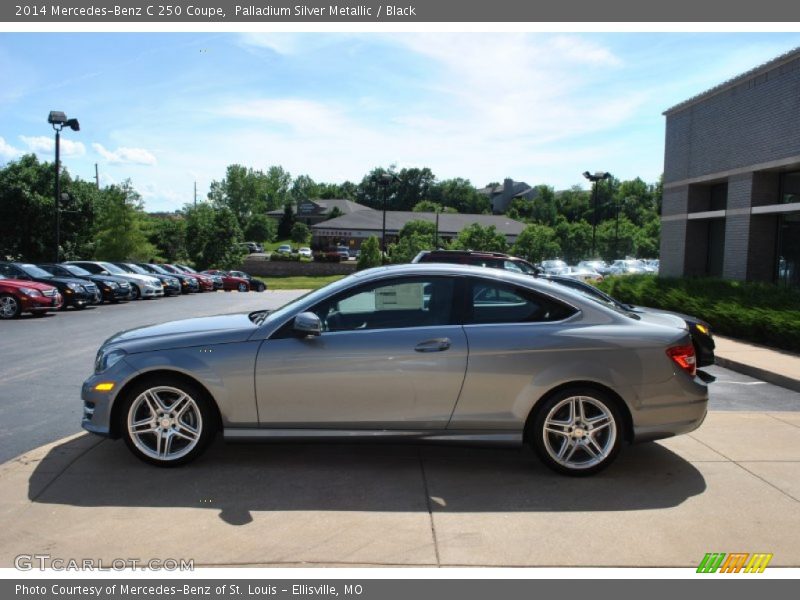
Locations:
(494, 302)
(417, 302)
(511, 266)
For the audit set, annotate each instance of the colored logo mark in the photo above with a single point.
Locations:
(736, 562)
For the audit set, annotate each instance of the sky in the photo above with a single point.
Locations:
(169, 110)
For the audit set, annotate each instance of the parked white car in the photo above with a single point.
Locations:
(305, 252)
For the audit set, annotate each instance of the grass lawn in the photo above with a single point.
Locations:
(300, 282)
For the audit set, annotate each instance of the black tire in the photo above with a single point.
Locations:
(135, 408)
(135, 292)
(243, 287)
(593, 439)
(10, 307)
(260, 287)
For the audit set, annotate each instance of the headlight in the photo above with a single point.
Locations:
(701, 328)
(30, 292)
(74, 286)
(107, 358)
(111, 285)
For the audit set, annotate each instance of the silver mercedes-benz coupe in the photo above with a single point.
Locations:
(424, 352)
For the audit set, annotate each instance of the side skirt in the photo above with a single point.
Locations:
(499, 438)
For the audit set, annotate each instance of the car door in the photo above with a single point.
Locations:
(513, 334)
(391, 356)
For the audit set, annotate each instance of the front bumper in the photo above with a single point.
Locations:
(41, 303)
(150, 292)
(98, 406)
(80, 298)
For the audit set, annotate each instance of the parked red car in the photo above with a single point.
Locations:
(206, 283)
(18, 296)
(229, 282)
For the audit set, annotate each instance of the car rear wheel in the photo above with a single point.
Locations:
(243, 287)
(167, 421)
(10, 308)
(577, 431)
(260, 287)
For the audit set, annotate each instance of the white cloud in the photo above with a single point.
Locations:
(302, 117)
(42, 144)
(126, 156)
(7, 151)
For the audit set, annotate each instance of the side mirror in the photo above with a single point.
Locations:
(307, 323)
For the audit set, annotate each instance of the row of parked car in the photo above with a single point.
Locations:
(596, 270)
(43, 287)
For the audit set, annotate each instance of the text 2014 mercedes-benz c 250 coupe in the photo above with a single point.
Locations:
(427, 352)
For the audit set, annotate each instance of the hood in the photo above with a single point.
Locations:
(152, 279)
(63, 280)
(186, 332)
(21, 283)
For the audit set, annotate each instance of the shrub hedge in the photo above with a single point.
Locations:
(755, 312)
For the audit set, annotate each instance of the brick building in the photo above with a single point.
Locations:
(731, 205)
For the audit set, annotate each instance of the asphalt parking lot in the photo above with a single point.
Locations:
(45, 360)
(729, 486)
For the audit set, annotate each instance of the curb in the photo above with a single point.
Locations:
(751, 371)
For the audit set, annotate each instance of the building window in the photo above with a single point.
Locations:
(790, 188)
(718, 196)
(788, 262)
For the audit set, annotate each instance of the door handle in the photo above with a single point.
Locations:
(434, 345)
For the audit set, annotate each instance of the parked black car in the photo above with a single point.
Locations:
(171, 284)
(188, 284)
(256, 285)
(76, 292)
(112, 289)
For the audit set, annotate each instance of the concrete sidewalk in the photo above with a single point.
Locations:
(733, 485)
(778, 367)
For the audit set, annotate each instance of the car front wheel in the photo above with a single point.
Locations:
(167, 422)
(577, 431)
(135, 293)
(10, 308)
(243, 287)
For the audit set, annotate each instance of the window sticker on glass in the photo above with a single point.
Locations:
(405, 296)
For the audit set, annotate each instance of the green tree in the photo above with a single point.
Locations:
(575, 239)
(300, 233)
(286, 223)
(477, 237)
(335, 212)
(120, 225)
(460, 195)
(261, 228)
(370, 255)
(168, 235)
(537, 243)
(214, 237)
(414, 237)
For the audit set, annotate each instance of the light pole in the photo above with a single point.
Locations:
(59, 120)
(384, 180)
(597, 177)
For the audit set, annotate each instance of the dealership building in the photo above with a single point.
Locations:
(731, 204)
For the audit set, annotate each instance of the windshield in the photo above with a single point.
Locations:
(136, 269)
(112, 268)
(158, 269)
(35, 271)
(601, 298)
(76, 270)
(309, 299)
(185, 268)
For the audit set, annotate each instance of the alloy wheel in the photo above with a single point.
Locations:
(164, 423)
(9, 307)
(579, 432)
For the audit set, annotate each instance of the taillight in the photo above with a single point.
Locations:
(684, 357)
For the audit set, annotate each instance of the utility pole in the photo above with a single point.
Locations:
(96, 176)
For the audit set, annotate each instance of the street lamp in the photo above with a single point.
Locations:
(59, 120)
(597, 177)
(384, 180)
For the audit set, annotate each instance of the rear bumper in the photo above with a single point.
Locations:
(678, 406)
